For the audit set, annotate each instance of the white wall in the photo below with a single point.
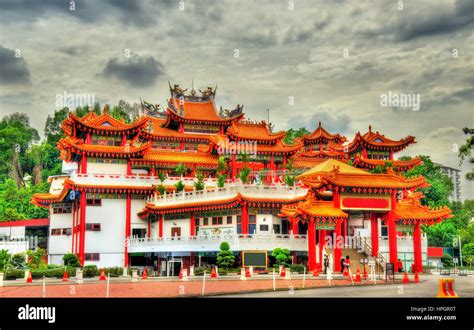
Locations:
(13, 232)
(270, 220)
(182, 223)
(60, 244)
(106, 168)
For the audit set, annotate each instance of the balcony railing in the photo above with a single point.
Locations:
(133, 180)
(281, 191)
(209, 243)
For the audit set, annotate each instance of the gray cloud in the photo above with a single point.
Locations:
(331, 121)
(439, 21)
(13, 70)
(135, 71)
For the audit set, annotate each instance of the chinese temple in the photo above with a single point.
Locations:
(131, 193)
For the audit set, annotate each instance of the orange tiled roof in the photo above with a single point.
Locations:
(160, 132)
(230, 202)
(323, 154)
(321, 135)
(45, 199)
(334, 173)
(402, 165)
(377, 141)
(243, 130)
(103, 123)
(313, 209)
(200, 111)
(410, 210)
(278, 148)
(176, 157)
(70, 146)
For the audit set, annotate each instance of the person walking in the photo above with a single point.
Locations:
(347, 263)
(326, 263)
(342, 265)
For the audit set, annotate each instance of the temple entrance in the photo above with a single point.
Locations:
(174, 267)
(176, 232)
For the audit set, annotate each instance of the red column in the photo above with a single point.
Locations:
(245, 219)
(84, 164)
(148, 232)
(160, 226)
(82, 228)
(129, 167)
(320, 147)
(153, 172)
(284, 162)
(311, 246)
(88, 138)
(128, 225)
(181, 127)
(222, 129)
(124, 140)
(294, 227)
(364, 153)
(181, 145)
(390, 156)
(417, 248)
(234, 170)
(73, 229)
(392, 231)
(344, 232)
(337, 246)
(322, 243)
(76, 243)
(374, 232)
(192, 225)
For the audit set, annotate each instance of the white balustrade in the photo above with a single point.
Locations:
(237, 242)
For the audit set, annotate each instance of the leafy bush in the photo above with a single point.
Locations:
(447, 260)
(55, 272)
(179, 186)
(12, 274)
(70, 259)
(297, 268)
(90, 271)
(4, 259)
(199, 271)
(18, 260)
(36, 258)
(113, 271)
(199, 184)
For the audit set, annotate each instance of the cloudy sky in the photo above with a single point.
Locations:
(306, 61)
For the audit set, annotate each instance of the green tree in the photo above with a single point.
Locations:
(291, 134)
(199, 184)
(70, 259)
(447, 260)
(181, 169)
(4, 259)
(179, 186)
(221, 172)
(282, 256)
(465, 151)
(52, 129)
(225, 257)
(245, 171)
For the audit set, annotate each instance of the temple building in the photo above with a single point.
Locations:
(165, 190)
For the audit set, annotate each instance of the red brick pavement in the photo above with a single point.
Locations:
(150, 288)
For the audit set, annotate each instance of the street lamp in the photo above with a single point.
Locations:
(459, 247)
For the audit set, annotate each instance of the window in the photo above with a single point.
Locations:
(217, 220)
(139, 232)
(56, 232)
(61, 208)
(66, 231)
(205, 222)
(196, 221)
(93, 226)
(252, 219)
(263, 227)
(239, 219)
(276, 229)
(229, 220)
(94, 202)
(214, 221)
(92, 256)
